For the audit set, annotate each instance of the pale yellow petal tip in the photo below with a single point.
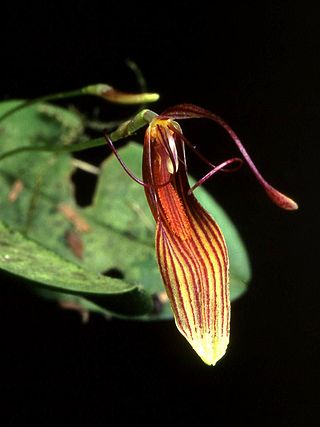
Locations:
(295, 206)
(210, 349)
(289, 204)
(281, 199)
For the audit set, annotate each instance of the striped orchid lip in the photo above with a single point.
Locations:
(190, 247)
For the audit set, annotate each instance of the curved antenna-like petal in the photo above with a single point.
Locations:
(190, 111)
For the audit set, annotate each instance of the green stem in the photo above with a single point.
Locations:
(140, 79)
(56, 149)
(129, 127)
(138, 75)
(101, 90)
(47, 98)
(126, 129)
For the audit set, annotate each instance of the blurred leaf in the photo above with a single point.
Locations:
(46, 186)
(31, 261)
(45, 177)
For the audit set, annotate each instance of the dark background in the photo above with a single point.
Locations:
(256, 65)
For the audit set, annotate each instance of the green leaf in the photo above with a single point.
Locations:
(28, 259)
(44, 177)
(35, 211)
(38, 125)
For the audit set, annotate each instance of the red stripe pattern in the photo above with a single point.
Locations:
(190, 247)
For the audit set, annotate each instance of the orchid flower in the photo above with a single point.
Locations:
(190, 247)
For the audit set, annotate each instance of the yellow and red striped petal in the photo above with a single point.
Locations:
(190, 247)
(195, 274)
